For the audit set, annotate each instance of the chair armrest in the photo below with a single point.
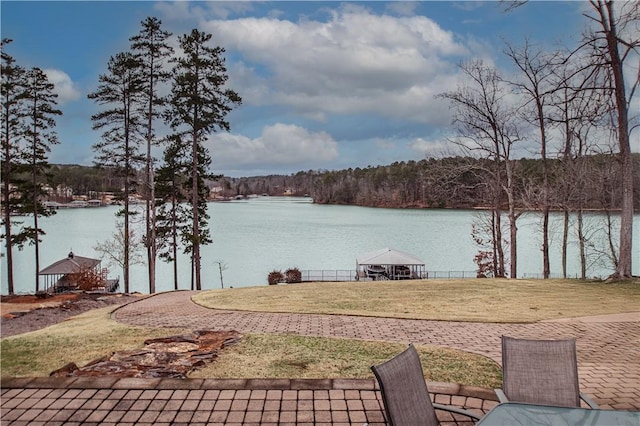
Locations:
(501, 396)
(456, 410)
(586, 398)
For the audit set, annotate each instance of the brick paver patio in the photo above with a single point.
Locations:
(608, 357)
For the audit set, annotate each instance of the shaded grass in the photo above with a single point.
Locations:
(484, 300)
(287, 356)
(79, 339)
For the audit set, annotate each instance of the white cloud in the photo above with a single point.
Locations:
(278, 145)
(434, 148)
(405, 8)
(354, 63)
(64, 86)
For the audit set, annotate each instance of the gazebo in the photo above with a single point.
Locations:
(389, 264)
(77, 273)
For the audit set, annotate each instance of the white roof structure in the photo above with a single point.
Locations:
(388, 256)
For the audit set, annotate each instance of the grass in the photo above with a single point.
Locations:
(286, 356)
(485, 300)
(79, 339)
(93, 334)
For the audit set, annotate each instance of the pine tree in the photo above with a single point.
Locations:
(40, 101)
(12, 134)
(151, 49)
(120, 91)
(172, 219)
(199, 105)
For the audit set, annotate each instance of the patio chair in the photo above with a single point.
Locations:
(541, 372)
(405, 394)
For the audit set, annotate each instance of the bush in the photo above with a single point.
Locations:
(293, 275)
(275, 277)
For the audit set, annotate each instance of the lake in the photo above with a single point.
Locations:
(253, 237)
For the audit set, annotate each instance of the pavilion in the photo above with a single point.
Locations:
(77, 273)
(389, 264)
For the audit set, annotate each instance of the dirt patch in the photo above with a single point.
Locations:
(172, 357)
(25, 313)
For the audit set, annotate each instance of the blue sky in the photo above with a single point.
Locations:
(325, 85)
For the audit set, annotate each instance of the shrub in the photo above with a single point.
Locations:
(293, 275)
(275, 277)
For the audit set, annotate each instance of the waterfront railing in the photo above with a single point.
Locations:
(351, 275)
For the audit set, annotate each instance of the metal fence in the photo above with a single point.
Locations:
(329, 275)
(351, 275)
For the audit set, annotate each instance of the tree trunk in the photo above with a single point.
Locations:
(583, 256)
(174, 236)
(6, 189)
(546, 269)
(34, 182)
(607, 20)
(195, 253)
(498, 242)
(151, 221)
(125, 240)
(151, 197)
(513, 229)
(565, 242)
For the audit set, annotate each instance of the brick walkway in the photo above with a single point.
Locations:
(608, 357)
(608, 352)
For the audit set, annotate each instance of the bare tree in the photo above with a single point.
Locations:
(576, 111)
(536, 87)
(121, 250)
(616, 41)
(487, 127)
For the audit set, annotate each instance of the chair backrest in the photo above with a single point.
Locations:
(404, 390)
(540, 371)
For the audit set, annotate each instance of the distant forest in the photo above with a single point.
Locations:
(456, 182)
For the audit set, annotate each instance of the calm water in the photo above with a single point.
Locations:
(256, 236)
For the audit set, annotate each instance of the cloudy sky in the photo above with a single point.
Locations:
(325, 85)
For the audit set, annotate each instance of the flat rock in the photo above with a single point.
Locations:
(173, 356)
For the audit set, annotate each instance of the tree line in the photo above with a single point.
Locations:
(450, 182)
(132, 100)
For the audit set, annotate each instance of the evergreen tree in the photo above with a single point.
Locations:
(12, 134)
(151, 49)
(199, 105)
(40, 102)
(120, 91)
(172, 219)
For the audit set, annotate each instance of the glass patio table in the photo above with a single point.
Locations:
(513, 414)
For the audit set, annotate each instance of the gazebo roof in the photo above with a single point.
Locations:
(70, 265)
(388, 256)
